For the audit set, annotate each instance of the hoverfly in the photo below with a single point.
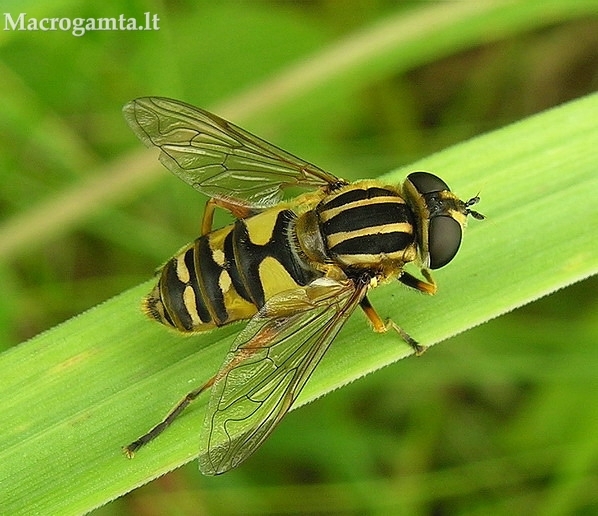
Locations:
(297, 269)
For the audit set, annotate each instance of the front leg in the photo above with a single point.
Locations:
(428, 287)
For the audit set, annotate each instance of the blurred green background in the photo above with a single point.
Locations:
(503, 418)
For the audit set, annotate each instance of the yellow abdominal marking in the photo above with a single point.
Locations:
(261, 226)
(218, 255)
(224, 282)
(275, 278)
(182, 271)
(190, 305)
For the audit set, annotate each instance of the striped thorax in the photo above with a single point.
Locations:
(367, 226)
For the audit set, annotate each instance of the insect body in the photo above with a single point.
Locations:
(297, 269)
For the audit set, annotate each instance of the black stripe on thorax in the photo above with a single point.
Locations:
(373, 244)
(377, 213)
(352, 195)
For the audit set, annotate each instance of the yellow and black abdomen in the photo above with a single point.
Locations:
(230, 273)
(366, 226)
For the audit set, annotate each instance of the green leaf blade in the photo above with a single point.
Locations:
(73, 396)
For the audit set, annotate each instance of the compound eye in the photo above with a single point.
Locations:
(426, 183)
(444, 239)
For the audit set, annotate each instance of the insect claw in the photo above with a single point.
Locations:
(417, 348)
(129, 451)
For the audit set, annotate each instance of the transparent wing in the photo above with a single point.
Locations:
(268, 365)
(218, 158)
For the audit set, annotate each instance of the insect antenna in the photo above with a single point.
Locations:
(475, 214)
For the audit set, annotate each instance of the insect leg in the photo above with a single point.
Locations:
(238, 210)
(380, 326)
(208, 217)
(165, 423)
(428, 287)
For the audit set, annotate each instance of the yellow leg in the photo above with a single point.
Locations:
(428, 287)
(208, 217)
(238, 210)
(381, 327)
